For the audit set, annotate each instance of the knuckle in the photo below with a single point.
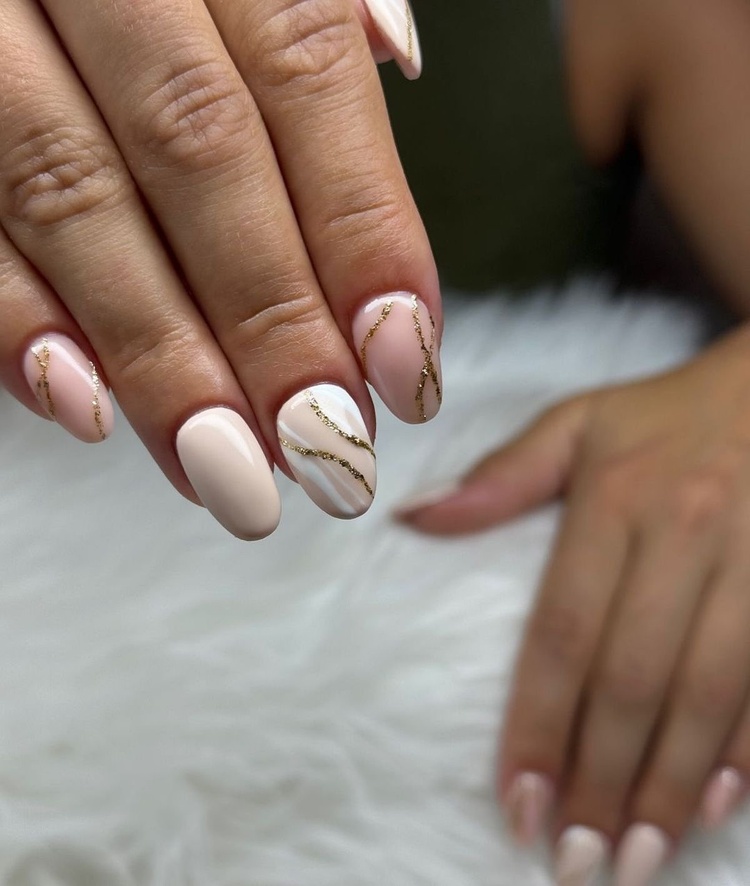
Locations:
(272, 325)
(195, 116)
(62, 174)
(561, 632)
(629, 683)
(155, 351)
(307, 44)
(699, 501)
(616, 488)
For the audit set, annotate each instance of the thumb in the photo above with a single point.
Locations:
(531, 469)
(391, 33)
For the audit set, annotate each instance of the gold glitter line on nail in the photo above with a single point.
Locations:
(96, 404)
(329, 456)
(330, 423)
(387, 308)
(43, 392)
(409, 33)
(428, 367)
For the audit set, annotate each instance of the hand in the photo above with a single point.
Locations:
(630, 704)
(201, 205)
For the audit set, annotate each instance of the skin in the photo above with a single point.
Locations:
(632, 683)
(200, 195)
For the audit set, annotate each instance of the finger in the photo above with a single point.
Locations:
(309, 69)
(638, 654)
(525, 473)
(557, 652)
(194, 137)
(70, 207)
(45, 361)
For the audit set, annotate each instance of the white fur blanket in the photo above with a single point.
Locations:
(319, 709)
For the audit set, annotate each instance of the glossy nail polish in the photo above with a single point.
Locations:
(229, 472)
(527, 804)
(580, 855)
(425, 499)
(395, 23)
(643, 850)
(397, 345)
(722, 796)
(68, 387)
(327, 446)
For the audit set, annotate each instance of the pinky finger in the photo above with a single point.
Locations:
(45, 361)
(729, 785)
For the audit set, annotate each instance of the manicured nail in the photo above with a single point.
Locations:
(643, 850)
(425, 499)
(580, 855)
(395, 23)
(329, 450)
(395, 337)
(528, 802)
(68, 387)
(722, 796)
(229, 472)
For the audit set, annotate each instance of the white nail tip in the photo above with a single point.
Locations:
(327, 446)
(581, 854)
(395, 23)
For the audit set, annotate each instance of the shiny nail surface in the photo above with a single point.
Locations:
(397, 345)
(528, 803)
(229, 472)
(426, 499)
(643, 850)
(580, 855)
(721, 798)
(328, 448)
(68, 387)
(395, 23)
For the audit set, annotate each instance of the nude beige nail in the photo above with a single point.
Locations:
(229, 472)
(642, 852)
(527, 803)
(329, 450)
(68, 387)
(397, 345)
(580, 855)
(721, 798)
(395, 23)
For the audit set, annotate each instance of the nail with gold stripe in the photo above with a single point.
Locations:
(397, 345)
(68, 387)
(328, 449)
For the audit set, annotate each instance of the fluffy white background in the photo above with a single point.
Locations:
(319, 709)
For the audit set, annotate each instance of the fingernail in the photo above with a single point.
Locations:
(580, 855)
(229, 472)
(722, 796)
(329, 450)
(426, 499)
(67, 385)
(395, 23)
(643, 850)
(528, 802)
(395, 337)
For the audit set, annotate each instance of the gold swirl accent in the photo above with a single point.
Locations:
(409, 32)
(96, 404)
(428, 367)
(387, 308)
(329, 456)
(330, 423)
(43, 392)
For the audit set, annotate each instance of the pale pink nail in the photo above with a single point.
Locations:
(68, 387)
(580, 855)
(229, 472)
(722, 796)
(527, 804)
(395, 23)
(397, 345)
(643, 850)
(329, 450)
(426, 499)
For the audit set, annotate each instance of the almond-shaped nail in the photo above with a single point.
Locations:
(722, 796)
(642, 852)
(580, 855)
(329, 450)
(425, 499)
(395, 23)
(397, 344)
(528, 803)
(68, 387)
(229, 472)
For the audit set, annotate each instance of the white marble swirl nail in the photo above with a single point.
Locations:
(328, 449)
(394, 20)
